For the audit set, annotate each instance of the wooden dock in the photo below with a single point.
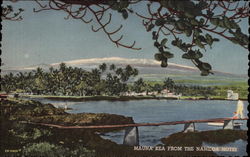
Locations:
(131, 137)
(134, 124)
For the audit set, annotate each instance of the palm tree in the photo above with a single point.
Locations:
(119, 71)
(139, 85)
(70, 81)
(62, 67)
(103, 67)
(169, 84)
(124, 77)
(8, 83)
(39, 72)
(157, 87)
(112, 67)
(81, 87)
(114, 86)
(96, 73)
(39, 81)
(126, 73)
(129, 70)
(29, 79)
(135, 72)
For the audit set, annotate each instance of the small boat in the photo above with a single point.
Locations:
(221, 123)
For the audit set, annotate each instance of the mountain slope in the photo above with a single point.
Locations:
(145, 66)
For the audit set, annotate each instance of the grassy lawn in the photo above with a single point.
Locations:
(192, 97)
(239, 87)
(220, 89)
(204, 82)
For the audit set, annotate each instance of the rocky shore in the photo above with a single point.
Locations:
(22, 139)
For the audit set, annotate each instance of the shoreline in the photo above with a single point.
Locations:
(70, 141)
(119, 98)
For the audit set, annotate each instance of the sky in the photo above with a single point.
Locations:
(46, 37)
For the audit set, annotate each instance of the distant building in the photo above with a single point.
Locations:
(165, 92)
(232, 96)
(152, 93)
(134, 94)
(168, 93)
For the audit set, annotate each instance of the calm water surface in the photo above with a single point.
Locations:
(160, 111)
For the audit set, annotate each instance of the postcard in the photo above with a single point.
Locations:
(124, 78)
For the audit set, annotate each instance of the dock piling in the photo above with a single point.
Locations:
(189, 127)
(228, 124)
(131, 137)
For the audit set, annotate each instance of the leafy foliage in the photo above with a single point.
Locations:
(108, 80)
(8, 13)
(71, 81)
(139, 86)
(51, 150)
(195, 20)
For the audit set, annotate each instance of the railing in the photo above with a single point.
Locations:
(131, 130)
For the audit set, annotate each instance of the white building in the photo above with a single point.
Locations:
(167, 93)
(134, 94)
(232, 96)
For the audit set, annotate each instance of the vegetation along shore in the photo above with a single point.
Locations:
(120, 98)
(109, 82)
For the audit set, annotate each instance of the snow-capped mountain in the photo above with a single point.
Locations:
(145, 66)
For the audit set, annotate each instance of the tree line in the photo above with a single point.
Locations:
(172, 87)
(70, 81)
(105, 80)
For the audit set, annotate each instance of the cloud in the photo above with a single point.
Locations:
(119, 60)
(114, 60)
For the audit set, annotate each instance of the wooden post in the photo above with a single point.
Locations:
(236, 127)
(131, 137)
(189, 127)
(228, 124)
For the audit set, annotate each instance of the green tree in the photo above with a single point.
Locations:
(116, 83)
(169, 84)
(114, 86)
(126, 73)
(81, 88)
(39, 82)
(139, 86)
(29, 79)
(8, 83)
(103, 67)
(112, 67)
(157, 87)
